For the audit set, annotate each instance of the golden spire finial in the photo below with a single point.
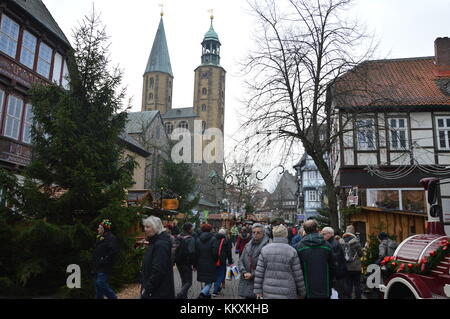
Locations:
(211, 11)
(162, 8)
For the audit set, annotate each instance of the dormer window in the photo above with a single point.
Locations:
(9, 34)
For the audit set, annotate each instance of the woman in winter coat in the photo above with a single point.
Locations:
(206, 247)
(157, 272)
(249, 260)
(243, 239)
(279, 274)
(224, 259)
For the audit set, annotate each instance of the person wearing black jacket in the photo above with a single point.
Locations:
(106, 249)
(317, 263)
(224, 254)
(184, 258)
(206, 248)
(340, 265)
(157, 270)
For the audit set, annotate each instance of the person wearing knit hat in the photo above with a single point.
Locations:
(278, 274)
(105, 252)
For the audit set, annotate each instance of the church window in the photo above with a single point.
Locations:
(204, 91)
(169, 99)
(169, 128)
(152, 83)
(183, 124)
(150, 96)
(203, 107)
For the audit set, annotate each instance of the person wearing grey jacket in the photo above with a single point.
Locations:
(279, 274)
(352, 253)
(249, 260)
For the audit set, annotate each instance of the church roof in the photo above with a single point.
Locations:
(211, 34)
(137, 120)
(159, 60)
(180, 113)
(38, 10)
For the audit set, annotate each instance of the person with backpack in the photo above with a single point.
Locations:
(352, 254)
(224, 259)
(184, 258)
(206, 248)
(386, 248)
(340, 265)
(316, 259)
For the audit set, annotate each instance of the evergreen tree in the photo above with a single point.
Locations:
(77, 177)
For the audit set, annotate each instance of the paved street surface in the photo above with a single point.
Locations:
(229, 292)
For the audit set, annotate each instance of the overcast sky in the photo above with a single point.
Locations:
(404, 28)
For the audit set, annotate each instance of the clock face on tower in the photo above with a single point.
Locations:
(204, 75)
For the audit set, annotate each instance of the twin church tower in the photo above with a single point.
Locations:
(209, 95)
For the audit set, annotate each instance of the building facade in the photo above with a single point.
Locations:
(33, 49)
(395, 128)
(208, 109)
(310, 188)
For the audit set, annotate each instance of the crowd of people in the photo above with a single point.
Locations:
(275, 261)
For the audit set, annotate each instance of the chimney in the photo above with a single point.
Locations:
(442, 57)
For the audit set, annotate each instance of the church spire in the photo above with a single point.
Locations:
(159, 60)
(211, 46)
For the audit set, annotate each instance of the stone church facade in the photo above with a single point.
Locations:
(208, 104)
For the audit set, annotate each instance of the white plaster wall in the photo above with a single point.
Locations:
(422, 138)
(400, 159)
(367, 159)
(421, 120)
(444, 158)
(424, 156)
(349, 157)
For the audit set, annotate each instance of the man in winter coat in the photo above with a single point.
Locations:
(317, 263)
(223, 260)
(184, 259)
(340, 265)
(106, 249)
(157, 270)
(206, 248)
(243, 238)
(386, 248)
(249, 260)
(352, 253)
(278, 274)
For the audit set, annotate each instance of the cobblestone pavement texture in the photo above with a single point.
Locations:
(230, 291)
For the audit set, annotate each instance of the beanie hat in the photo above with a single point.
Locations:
(280, 231)
(383, 235)
(106, 224)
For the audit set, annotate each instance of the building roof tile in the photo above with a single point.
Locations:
(396, 82)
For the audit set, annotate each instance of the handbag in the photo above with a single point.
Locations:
(229, 273)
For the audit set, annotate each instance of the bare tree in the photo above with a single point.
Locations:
(303, 47)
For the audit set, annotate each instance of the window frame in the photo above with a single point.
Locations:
(27, 124)
(9, 118)
(359, 144)
(312, 198)
(395, 130)
(9, 36)
(400, 196)
(28, 50)
(182, 126)
(168, 126)
(41, 61)
(2, 104)
(446, 130)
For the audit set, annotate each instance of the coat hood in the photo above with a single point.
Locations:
(348, 238)
(312, 240)
(163, 236)
(205, 236)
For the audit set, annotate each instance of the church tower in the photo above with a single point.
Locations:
(209, 85)
(158, 76)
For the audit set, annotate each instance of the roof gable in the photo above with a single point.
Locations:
(180, 113)
(136, 121)
(39, 11)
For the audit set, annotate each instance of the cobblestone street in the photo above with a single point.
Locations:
(229, 292)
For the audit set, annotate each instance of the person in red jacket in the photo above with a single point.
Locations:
(243, 238)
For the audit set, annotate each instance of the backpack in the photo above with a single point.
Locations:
(181, 254)
(391, 247)
(348, 255)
